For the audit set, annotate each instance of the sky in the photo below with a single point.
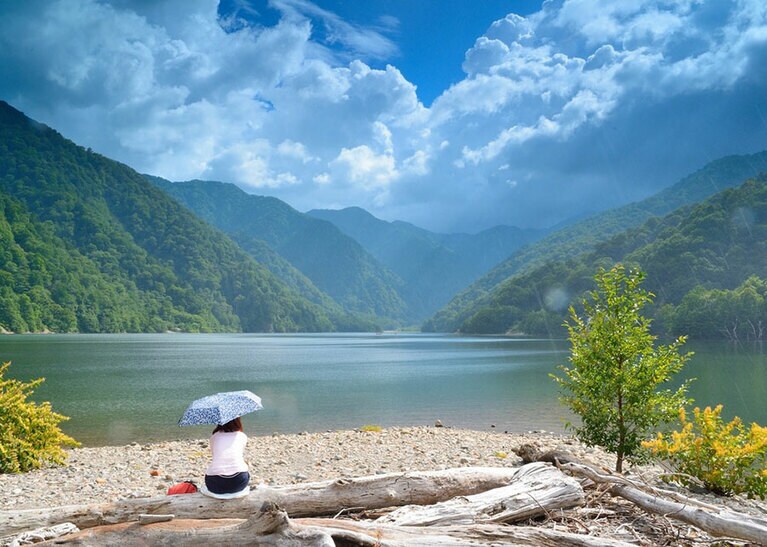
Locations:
(455, 115)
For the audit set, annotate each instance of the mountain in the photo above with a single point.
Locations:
(712, 254)
(583, 236)
(89, 245)
(331, 262)
(433, 266)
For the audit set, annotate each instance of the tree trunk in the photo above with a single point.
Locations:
(272, 527)
(717, 522)
(537, 489)
(311, 499)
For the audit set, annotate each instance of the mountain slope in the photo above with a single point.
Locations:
(335, 264)
(87, 244)
(433, 266)
(585, 235)
(715, 245)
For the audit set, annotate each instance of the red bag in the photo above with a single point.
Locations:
(186, 487)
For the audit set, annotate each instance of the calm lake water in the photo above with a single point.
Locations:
(122, 388)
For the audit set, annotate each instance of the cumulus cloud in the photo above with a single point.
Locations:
(582, 105)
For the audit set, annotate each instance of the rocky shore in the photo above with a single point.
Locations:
(142, 470)
(107, 474)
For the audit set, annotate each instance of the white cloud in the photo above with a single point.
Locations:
(568, 101)
(366, 169)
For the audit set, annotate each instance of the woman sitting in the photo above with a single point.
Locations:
(227, 475)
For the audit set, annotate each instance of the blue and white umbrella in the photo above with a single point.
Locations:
(220, 408)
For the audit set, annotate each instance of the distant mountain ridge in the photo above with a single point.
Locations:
(433, 266)
(88, 245)
(311, 255)
(583, 236)
(706, 263)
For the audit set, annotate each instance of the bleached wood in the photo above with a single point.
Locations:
(151, 519)
(537, 488)
(272, 527)
(718, 522)
(386, 535)
(311, 499)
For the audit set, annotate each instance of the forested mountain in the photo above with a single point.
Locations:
(583, 236)
(327, 259)
(434, 266)
(88, 245)
(706, 264)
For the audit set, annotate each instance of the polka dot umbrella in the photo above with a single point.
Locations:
(220, 408)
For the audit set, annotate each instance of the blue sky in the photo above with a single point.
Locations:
(455, 115)
(427, 38)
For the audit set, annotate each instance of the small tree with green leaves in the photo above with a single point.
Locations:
(616, 370)
(29, 432)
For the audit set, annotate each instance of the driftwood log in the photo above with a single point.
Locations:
(272, 527)
(716, 521)
(311, 499)
(469, 519)
(538, 488)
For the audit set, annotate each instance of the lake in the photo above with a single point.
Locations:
(122, 388)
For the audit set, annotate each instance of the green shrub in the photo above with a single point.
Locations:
(29, 432)
(727, 457)
(618, 379)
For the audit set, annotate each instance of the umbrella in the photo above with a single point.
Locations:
(220, 408)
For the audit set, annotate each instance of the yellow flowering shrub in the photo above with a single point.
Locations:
(29, 432)
(729, 458)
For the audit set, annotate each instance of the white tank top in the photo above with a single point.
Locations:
(228, 449)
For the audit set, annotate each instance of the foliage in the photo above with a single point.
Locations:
(88, 245)
(584, 236)
(727, 457)
(703, 261)
(313, 255)
(740, 313)
(613, 383)
(29, 432)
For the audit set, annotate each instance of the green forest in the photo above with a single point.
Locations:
(309, 254)
(705, 263)
(88, 245)
(583, 236)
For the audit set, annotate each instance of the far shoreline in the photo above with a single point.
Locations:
(204, 433)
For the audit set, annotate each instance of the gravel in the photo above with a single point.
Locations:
(111, 473)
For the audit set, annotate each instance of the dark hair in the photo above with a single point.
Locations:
(229, 427)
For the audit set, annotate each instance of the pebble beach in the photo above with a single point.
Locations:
(104, 474)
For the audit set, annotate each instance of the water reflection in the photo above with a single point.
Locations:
(120, 388)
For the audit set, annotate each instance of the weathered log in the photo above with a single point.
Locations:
(370, 534)
(537, 489)
(39, 535)
(272, 527)
(311, 499)
(718, 522)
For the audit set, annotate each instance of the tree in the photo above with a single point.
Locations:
(616, 370)
(29, 432)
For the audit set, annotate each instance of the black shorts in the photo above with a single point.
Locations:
(227, 484)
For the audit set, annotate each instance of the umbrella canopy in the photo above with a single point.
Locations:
(220, 408)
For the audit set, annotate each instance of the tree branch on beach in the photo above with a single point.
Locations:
(717, 522)
(448, 515)
(300, 500)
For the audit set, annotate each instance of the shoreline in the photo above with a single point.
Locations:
(113, 473)
(110, 473)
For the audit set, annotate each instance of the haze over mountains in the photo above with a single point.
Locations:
(581, 237)
(90, 245)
